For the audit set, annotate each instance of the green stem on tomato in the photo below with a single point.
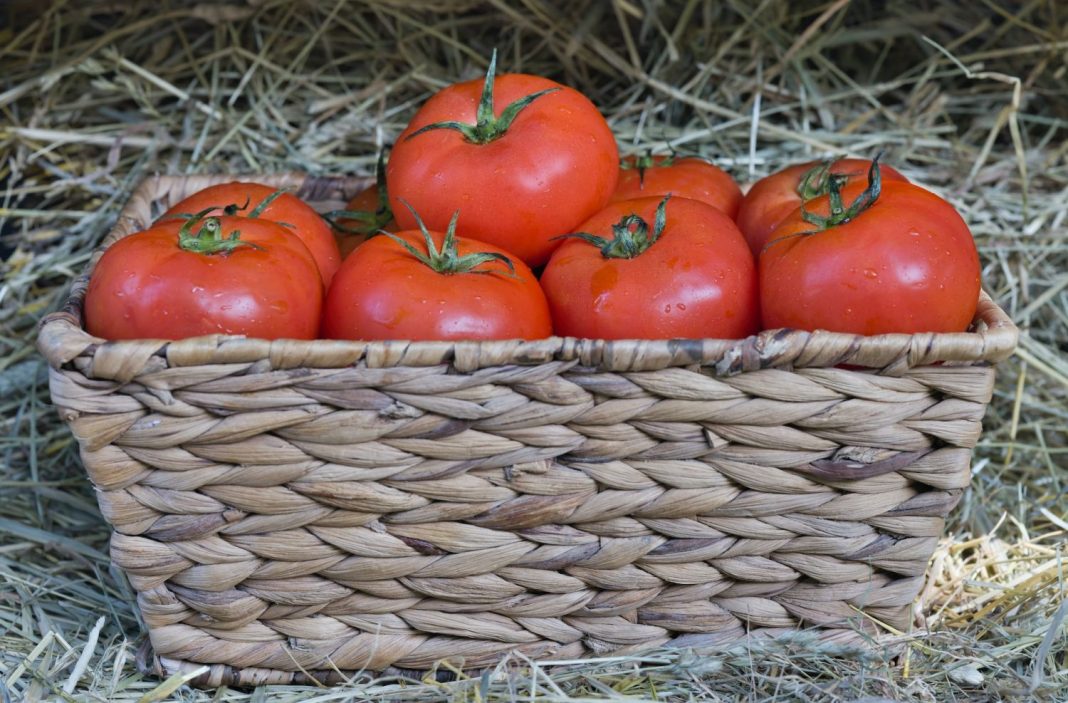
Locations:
(645, 161)
(233, 208)
(374, 220)
(263, 204)
(447, 260)
(630, 236)
(815, 181)
(839, 212)
(487, 126)
(209, 239)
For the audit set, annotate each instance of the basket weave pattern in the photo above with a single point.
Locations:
(287, 508)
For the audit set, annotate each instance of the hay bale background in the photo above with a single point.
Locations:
(95, 95)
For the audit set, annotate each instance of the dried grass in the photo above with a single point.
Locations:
(966, 97)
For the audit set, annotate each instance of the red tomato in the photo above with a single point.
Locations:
(249, 198)
(633, 274)
(420, 285)
(522, 158)
(905, 263)
(366, 213)
(687, 177)
(376, 215)
(777, 196)
(162, 284)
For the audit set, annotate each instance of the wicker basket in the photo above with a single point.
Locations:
(291, 509)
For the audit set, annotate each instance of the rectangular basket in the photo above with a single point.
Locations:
(291, 510)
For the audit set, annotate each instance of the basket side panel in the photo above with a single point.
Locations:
(392, 518)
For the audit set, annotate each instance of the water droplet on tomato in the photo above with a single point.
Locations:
(681, 306)
(667, 308)
(196, 289)
(871, 273)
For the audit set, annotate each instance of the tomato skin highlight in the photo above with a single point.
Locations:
(146, 287)
(774, 198)
(907, 264)
(383, 292)
(556, 165)
(287, 208)
(688, 177)
(697, 281)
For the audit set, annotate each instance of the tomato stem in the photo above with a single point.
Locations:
(839, 213)
(374, 220)
(645, 161)
(263, 204)
(208, 239)
(487, 126)
(630, 236)
(447, 260)
(233, 208)
(817, 181)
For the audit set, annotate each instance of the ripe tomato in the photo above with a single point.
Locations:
(361, 219)
(421, 285)
(364, 215)
(773, 198)
(523, 158)
(904, 262)
(256, 200)
(687, 177)
(219, 275)
(654, 269)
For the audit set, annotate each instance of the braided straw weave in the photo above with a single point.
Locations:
(288, 510)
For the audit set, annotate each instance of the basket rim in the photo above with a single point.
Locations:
(62, 338)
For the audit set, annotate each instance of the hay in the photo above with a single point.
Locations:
(93, 96)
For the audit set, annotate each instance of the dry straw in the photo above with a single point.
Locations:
(95, 96)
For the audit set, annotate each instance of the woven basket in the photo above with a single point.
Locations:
(292, 510)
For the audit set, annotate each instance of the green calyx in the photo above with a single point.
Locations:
(840, 213)
(487, 126)
(372, 220)
(235, 210)
(646, 161)
(447, 260)
(208, 238)
(258, 210)
(817, 181)
(630, 236)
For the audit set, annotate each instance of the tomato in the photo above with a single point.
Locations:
(654, 268)
(421, 285)
(254, 199)
(360, 220)
(772, 199)
(899, 259)
(217, 275)
(523, 159)
(687, 177)
(366, 213)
